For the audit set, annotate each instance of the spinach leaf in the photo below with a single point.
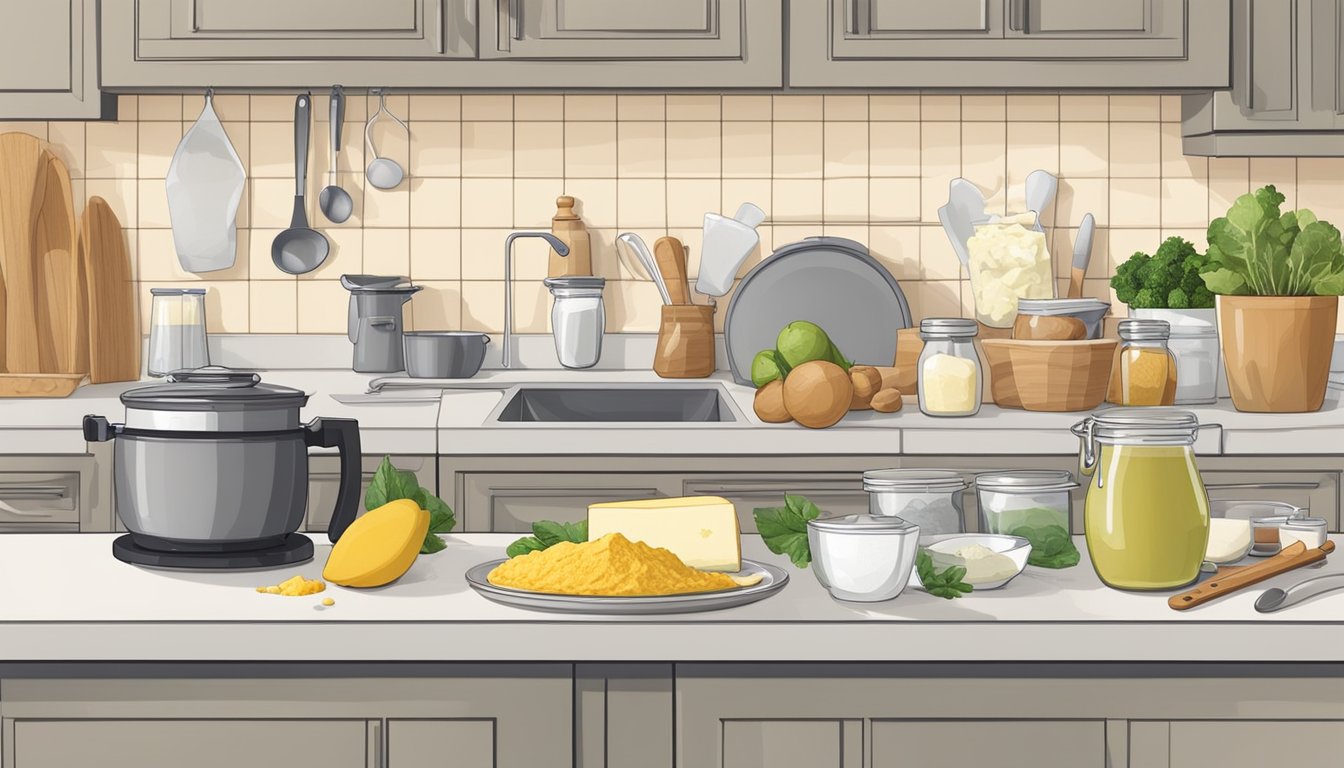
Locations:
(1267, 253)
(1051, 546)
(391, 484)
(948, 584)
(546, 534)
(784, 529)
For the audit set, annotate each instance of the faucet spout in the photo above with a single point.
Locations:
(556, 243)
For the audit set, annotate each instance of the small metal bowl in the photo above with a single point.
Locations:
(863, 558)
(444, 354)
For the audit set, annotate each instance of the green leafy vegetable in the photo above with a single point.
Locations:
(784, 529)
(1263, 252)
(1051, 545)
(390, 484)
(1171, 278)
(948, 584)
(547, 533)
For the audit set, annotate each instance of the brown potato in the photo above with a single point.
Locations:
(769, 403)
(867, 382)
(818, 394)
(887, 401)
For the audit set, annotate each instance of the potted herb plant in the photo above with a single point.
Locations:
(1169, 286)
(1278, 283)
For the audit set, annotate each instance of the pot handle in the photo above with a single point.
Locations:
(343, 435)
(97, 429)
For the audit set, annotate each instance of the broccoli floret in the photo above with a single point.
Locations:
(1202, 298)
(1178, 299)
(1148, 298)
(1126, 280)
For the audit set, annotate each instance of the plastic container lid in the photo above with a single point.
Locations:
(864, 524)
(913, 480)
(1055, 307)
(1026, 481)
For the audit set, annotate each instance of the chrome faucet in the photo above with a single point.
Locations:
(560, 248)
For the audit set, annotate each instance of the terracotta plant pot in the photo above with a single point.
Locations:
(1277, 350)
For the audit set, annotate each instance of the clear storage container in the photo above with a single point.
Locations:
(929, 498)
(1025, 498)
(950, 382)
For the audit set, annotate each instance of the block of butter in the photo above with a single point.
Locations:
(701, 530)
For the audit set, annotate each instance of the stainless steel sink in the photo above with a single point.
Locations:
(615, 403)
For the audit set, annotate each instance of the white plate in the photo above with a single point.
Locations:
(772, 580)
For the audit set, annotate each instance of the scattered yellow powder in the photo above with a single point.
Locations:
(328, 601)
(295, 587)
(612, 566)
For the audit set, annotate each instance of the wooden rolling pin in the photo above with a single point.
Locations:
(671, 257)
(1289, 558)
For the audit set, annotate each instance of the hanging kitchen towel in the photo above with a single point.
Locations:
(205, 185)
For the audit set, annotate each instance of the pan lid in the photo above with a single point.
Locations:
(213, 388)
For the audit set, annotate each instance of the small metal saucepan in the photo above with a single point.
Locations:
(444, 354)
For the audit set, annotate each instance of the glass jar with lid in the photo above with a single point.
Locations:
(1025, 498)
(929, 498)
(950, 383)
(1144, 370)
(1146, 519)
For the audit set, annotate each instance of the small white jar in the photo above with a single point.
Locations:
(950, 382)
(578, 319)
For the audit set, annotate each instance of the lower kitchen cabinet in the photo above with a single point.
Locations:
(324, 483)
(1232, 744)
(467, 716)
(54, 493)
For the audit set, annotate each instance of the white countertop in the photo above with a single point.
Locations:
(456, 422)
(66, 598)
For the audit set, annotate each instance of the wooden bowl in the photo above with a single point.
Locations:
(1049, 375)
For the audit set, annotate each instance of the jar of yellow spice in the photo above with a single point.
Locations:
(1144, 370)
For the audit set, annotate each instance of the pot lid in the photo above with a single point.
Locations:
(914, 480)
(864, 524)
(213, 388)
(1026, 480)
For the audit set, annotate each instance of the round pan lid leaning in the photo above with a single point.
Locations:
(830, 281)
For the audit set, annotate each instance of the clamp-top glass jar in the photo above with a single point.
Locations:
(1144, 371)
(950, 383)
(1147, 513)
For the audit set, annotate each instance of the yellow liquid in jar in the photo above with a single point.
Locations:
(1147, 526)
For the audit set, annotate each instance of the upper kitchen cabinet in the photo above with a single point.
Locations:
(426, 44)
(295, 43)
(1019, 44)
(688, 43)
(1287, 96)
(49, 61)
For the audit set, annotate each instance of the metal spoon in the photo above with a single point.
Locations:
(1039, 192)
(300, 248)
(383, 172)
(335, 202)
(1274, 598)
(642, 261)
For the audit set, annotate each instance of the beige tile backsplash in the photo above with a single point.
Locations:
(873, 168)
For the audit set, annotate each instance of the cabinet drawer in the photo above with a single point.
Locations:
(509, 502)
(39, 499)
(620, 29)
(839, 494)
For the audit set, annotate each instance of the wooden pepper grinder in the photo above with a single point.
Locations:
(567, 226)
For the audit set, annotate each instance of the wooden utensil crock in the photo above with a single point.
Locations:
(685, 342)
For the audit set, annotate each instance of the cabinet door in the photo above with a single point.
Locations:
(1072, 744)
(1327, 61)
(621, 29)
(836, 494)
(435, 743)
(198, 743)
(1249, 744)
(789, 744)
(49, 61)
(324, 482)
(508, 502)
(1009, 43)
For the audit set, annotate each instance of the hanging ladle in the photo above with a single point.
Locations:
(383, 172)
(300, 248)
(334, 201)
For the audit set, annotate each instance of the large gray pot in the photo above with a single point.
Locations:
(214, 460)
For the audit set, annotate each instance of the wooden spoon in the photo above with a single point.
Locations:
(58, 289)
(671, 257)
(1289, 558)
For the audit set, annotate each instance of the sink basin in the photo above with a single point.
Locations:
(614, 403)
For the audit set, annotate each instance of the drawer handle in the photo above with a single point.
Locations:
(515, 20)
(32, 491)
(854, 17)
(1263, 486)
(6, 508)
(1017, 16)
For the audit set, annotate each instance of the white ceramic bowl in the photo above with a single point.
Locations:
(942, 547)
(862, 558)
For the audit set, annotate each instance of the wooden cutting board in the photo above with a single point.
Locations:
(113, 329)
(23, 180)
(61, 339)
